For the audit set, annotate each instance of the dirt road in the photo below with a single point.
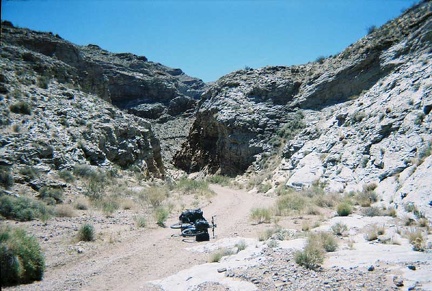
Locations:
(149, 254)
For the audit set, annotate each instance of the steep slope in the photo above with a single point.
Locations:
(359, 117)
(48, 124)
(144, 88)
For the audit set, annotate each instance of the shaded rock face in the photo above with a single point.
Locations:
(362, 116)
(124, 79)
(48, 123)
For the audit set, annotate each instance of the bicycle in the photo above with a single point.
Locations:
(197, 227)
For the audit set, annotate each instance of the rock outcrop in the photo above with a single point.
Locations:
(359, 117)
(47, 122)
(124, 79)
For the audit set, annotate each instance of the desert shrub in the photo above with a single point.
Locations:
(161, 215)
(86, 232)
(264, 187)
(6, 178)
(339, 228)
(81, 204)
(241, 245)
(188, 186)
(64, 210)
(43, 82)
(371, 29)
(326, 200)
(268, 233)
(372, 211)
(67, 176)
(108, 205)
(261, 215)
(423, 222)
(140, 221)
(417, 240)
(23, 208)
(344, 209)
(219, 254)
(366, 197)
(156, 195)
(51, 194)
(84, 171)
(293, 126)
(272, 243)
(311, 257)
(326, 239)
(30, 172)
(320, 59)
(21, 107)
(21, 257)
(293, 202)
(373, 232)
(219, 179)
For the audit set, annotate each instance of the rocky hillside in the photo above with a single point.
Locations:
(132, 83)
(356, 118)
(55, 126)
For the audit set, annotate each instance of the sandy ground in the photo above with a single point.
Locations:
(155, 258)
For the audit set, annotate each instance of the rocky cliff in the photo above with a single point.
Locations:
(61, 105)
(146, 89)
(359, 117)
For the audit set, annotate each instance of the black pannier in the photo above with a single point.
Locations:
(191, 215)
(202, 224)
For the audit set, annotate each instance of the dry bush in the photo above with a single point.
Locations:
(373, 232)
(216, 256)
(416, 239)
(339, 228)
(291, 203)
(156, 195)
(261, 215)
(81, 204)
(64, 210)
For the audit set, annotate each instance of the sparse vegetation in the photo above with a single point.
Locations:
(417, 240)
(290, 203)
(23, 208)
(188, 186)
(21, 257)
(64, 210)
(339, 228)
(216, 256)
(161, 215)
(21, 107)
(86, 232)
(261, 215)
(241, 245)
(219, 179)
(311, 257)
(140, 221)
(344, 209)
(6, 177)
(51, 196)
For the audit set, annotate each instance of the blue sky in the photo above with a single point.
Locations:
(209, 38)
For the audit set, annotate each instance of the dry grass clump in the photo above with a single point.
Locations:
(291, 203)
(197, 187)
(156, 195)
(373, 232)
(339, 228)
(261, 215)
(344, 209)
(216, 256)
(140, 221)
(317, 244)
(64, 210)
(416, 239)
(86, 232)
(81, 204)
